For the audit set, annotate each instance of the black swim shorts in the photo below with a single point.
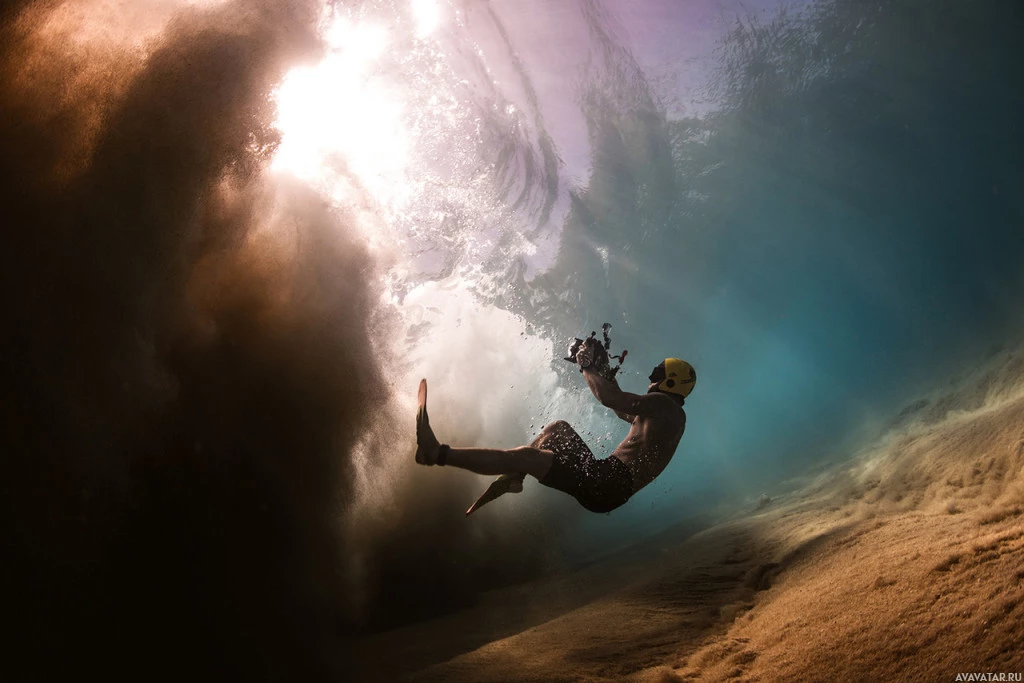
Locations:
(599, 485)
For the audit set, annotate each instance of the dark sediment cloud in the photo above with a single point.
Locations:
(176, 394)
(188, 372)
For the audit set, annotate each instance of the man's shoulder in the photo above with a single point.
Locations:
(665, 405)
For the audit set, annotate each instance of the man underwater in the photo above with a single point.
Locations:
(559, 458)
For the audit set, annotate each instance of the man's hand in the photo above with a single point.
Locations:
(585, 356)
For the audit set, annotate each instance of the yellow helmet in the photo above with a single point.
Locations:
(674, 376)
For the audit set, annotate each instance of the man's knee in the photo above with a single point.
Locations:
(534, 460)
(558, 426)
(556, 432)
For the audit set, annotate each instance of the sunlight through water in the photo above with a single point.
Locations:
(334, 117)
(411, 135)
(427, 15)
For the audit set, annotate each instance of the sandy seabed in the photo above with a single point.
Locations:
(906, 562)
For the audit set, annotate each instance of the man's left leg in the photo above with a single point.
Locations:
(487, 461)
(491, 461)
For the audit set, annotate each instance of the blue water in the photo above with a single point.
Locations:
(818, 205)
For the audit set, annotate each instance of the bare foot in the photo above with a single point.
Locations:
(506, 483)
(427, 445)
(515, 483)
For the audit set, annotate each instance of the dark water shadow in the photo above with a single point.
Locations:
(507, 611)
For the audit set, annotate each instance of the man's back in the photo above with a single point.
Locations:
(652, 439)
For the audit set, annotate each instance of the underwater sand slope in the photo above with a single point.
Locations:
(905, 563)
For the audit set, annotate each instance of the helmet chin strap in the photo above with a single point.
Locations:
(655, 389)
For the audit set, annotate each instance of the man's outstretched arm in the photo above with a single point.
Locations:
(611, 396)
(626, 417)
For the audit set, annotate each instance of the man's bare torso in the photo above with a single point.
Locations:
(651, 442)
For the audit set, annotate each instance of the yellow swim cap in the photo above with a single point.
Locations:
(675, 376)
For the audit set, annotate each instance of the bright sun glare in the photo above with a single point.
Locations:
(338, 118)
(427, 15)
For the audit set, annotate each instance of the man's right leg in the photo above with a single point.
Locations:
(554, 429)
(513, 483)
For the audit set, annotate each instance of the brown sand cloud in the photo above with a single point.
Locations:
(191, 366)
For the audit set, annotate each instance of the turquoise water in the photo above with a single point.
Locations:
(817, 204)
